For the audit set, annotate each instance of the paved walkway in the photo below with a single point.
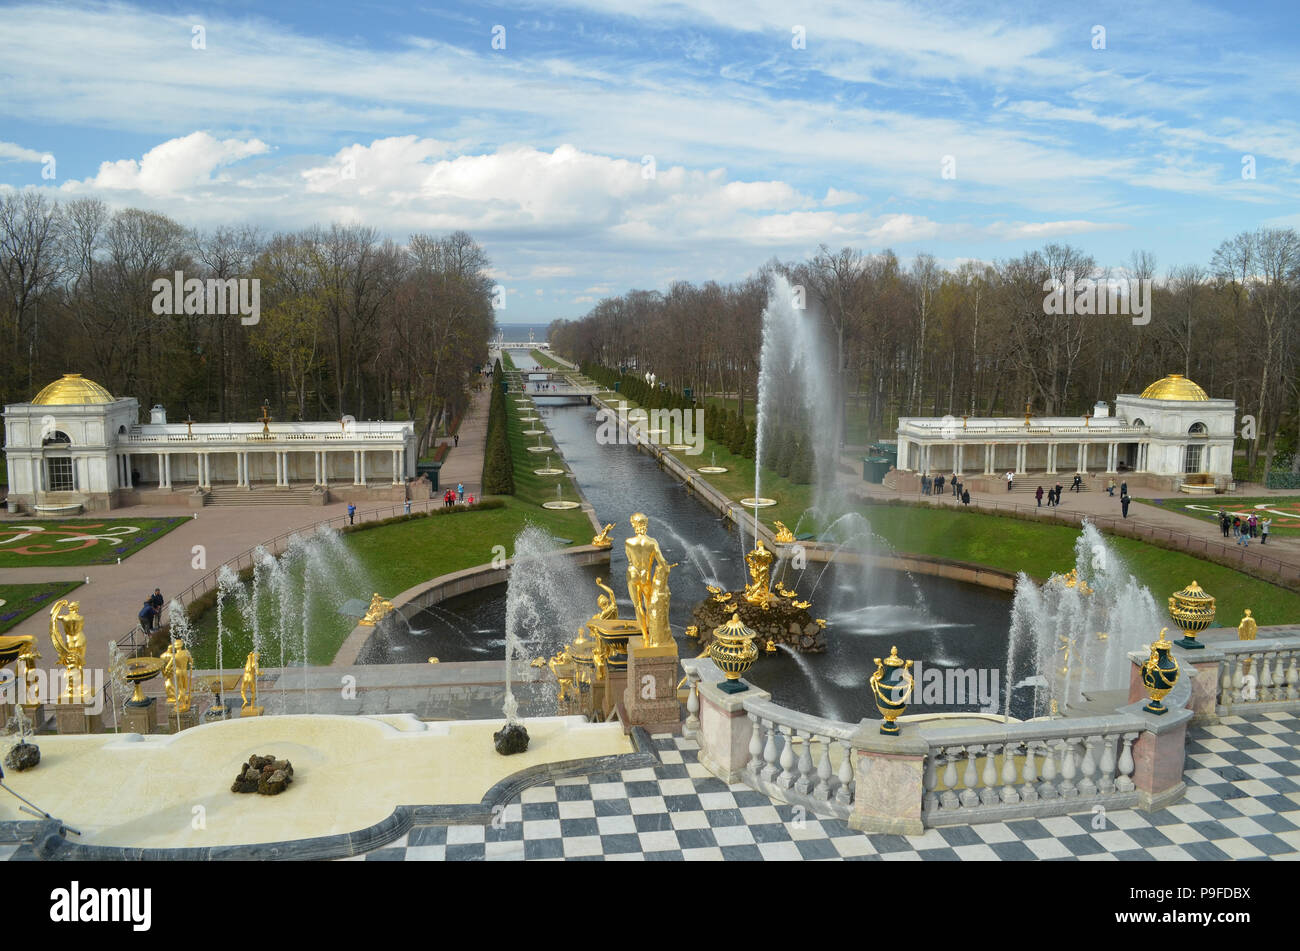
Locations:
(1242, 802)
(464, 462)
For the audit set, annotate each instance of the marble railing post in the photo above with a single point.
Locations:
(725, 730)
(890, 781)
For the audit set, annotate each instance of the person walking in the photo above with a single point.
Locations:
(1252, 524)
(1236, 526)
(460, 491)
(965, 496)
(1263, 530)
(1243, 536)
(956, 485)
(1110, 488)
(352, 514)
(1077, 484)
(1224, 523)
(156, 602)
(1057, 490)
(1009, 478)
(1039, 496)
(1123, 504)
(455, 440)
(1123, 488)
(938, 485)
(406, 507)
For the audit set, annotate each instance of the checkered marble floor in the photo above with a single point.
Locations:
(1242, 802)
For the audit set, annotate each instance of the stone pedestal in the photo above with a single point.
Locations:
(173, 722)
(615, 683)
(650, 696)
(74, 719)
(139, 717)
(251, 711)
(35, 714)
(725, 730)
(1159, 756)
(890, 776)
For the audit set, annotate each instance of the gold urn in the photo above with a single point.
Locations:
(137, 671)
(733, 650)
(891, 685)
(1193, 611)
(1159, 674)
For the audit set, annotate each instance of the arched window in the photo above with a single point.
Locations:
(1197, 429)
(121, 430)
(55, 438)
(1138, 422)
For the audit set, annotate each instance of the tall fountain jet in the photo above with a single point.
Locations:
(797, 379)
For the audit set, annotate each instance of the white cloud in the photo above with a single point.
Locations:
(174, 167)
(9, 152)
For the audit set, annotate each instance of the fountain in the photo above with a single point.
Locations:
(549, 470)
(713, 467)
(1071, 637)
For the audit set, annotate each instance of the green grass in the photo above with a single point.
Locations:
(44, 542)
(21, 601)
(548, 362)
(1039, 549)
(426, 547)
(1285, 514)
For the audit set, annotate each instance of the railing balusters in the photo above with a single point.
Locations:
(755, 765)
(1048, 789)
(1068, 788)
(989, 778)
(930, 796)
(1009, 793)
(1088, 766)
(769, 752)
(948, 799)
(804, 783)
(1106, 782)
(823, 788)
(1124, 781)
(969, 797)
(1028, 791)
(844, 794)
(787, 777)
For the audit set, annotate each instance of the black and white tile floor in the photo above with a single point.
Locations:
(1242, 802)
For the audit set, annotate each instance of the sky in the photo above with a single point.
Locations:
(594, 146)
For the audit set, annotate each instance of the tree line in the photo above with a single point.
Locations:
(350, 324)
(919, 339)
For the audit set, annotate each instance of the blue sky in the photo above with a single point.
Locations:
(631, 143)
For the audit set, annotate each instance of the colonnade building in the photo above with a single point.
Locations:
(77, 446)
(1172, 436)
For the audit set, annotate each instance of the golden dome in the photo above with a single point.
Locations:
(1174, 387)
(72, 390)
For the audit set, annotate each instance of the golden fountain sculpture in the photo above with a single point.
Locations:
(602, 540)
(647, 583)
(70, 646)
(734, 652)
(1247, 628)
(758, 591)
(177, 671)
(1193, 611)
(783, 535)
(248, 687)
(378, 610)
(28, 657)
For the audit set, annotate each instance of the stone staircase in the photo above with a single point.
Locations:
(260, 495)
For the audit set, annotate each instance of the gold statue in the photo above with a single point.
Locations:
(31, 677)
(1246, 629)
(378, 610)
(561, 659)
(643, 557)
(71, 649)
(802, 604)
(783, 535)
(603, 540)
(248, 683)
(178, 665)
(607, 603)
(760, 570)
(722, 597)
(693, 632)
(658, 633)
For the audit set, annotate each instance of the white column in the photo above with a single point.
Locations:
(167, 465)
(1051, 458)
(988, 458)
(397, 475)
(315, 462)
(1112, 457)
(902, 454)
(279, 468)
(362, 454)
(1083, 457)
(160, 470)
(1023, 453)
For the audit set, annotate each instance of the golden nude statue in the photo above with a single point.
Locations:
(178, 665)
(1247, 628)
(377, 611)
(31, 677)
(560, 660)
(248, 683)
(658, 633)
(759, 560)
(71, 649)
(783, 535)
(644, 562)
(603, 540)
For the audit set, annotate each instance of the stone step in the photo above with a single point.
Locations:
(259, 496)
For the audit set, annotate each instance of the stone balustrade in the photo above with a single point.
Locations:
(1260, 675)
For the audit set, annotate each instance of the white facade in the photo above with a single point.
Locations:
(1154, 434)
(68, 454)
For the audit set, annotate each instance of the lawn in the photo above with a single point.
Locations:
(21, 601)
(1284, 510)
(392, 558)
(100, 541)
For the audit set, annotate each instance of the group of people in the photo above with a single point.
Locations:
(1244, 529)
(456, 496)
(934, 486)
(150, 615)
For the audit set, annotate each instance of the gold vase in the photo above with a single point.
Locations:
(1193, 611)
(733, 650)
(1159, 674)
(891, 685)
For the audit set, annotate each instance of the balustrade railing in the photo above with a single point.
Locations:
(1258, 673)
(1027, 769)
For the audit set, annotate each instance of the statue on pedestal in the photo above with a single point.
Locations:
(760, 571)
(646, 568)
(178, 664)
(70, 647)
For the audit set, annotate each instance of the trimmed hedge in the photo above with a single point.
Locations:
(498, 467)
